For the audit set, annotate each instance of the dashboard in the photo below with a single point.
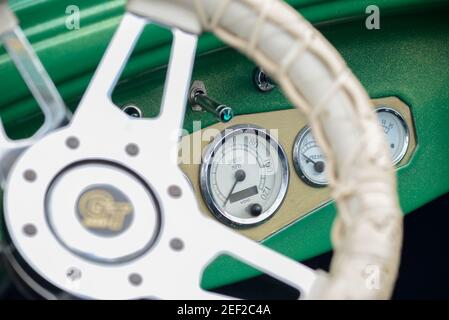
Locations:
(284, 169)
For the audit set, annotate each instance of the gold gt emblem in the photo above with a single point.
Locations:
(99, 210)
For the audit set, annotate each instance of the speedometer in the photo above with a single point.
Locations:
(244, 176)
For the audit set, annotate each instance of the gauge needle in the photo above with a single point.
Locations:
(317, 165)
(239, 176)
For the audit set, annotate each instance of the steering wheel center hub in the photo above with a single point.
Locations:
(101, 212)
(104, 210)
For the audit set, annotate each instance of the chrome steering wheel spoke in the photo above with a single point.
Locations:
(37, 80)
(262, 258)
(41, 86)
(97, 103)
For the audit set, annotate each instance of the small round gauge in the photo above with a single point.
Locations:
(309, 160)
(396, 131)
(244, 176)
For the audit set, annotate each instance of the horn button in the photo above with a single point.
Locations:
(102, 212)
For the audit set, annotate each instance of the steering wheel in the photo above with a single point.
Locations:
(158, 243)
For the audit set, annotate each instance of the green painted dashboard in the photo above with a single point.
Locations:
(407, 58)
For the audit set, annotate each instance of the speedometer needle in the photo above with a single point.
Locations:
(239, 176)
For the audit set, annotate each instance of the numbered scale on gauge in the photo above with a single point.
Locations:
(244, 176)
(309, 160)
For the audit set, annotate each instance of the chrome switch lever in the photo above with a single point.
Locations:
(38, 81)
(200, 101)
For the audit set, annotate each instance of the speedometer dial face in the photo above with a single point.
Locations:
(244, 176)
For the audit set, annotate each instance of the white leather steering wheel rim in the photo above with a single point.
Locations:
(367, 233)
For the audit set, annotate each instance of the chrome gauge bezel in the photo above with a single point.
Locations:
(205, 171)
(296, 160)
(404, 149)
